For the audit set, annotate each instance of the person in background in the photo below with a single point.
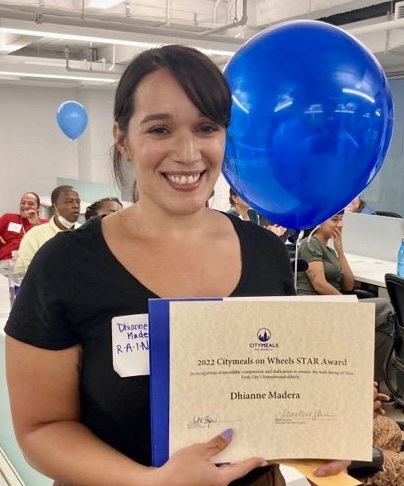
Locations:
(241, 209)
(104, 206)
(387, 437)
(75, 418)
(13, 226)
(358, 205)
(329, 273)
(66, 205)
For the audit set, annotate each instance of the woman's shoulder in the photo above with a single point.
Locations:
(311, 241)
(311, 246)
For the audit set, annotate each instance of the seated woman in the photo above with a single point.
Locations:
(329, 273)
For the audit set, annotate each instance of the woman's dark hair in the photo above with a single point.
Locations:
(232, 193)
(199, 77)
(92, 210)
(311, 230)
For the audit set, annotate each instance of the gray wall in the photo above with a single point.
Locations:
(34, 151)
(386, 191)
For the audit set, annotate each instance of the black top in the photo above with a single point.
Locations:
(75, 286)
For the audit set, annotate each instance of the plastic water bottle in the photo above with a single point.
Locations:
(16, 273)
(400, 259)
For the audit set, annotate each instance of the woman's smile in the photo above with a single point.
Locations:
(184, 181)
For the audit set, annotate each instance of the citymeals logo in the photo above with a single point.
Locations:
(263, 337)
(264, 334)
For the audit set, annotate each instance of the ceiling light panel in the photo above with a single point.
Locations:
(102, 4)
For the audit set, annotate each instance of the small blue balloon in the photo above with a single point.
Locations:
(72, 119)
(311, 121)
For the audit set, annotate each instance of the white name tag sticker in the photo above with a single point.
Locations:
(15, 227)
(130, 345)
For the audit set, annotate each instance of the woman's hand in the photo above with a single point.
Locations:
(192, 465)
(275, 228)
(32, 217)
(337, 239)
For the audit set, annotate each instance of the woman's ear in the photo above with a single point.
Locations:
(120, 141)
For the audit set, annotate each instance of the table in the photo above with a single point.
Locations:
(370, 270)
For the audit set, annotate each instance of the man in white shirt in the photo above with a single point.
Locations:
(66, 204)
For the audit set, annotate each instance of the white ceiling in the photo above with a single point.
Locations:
(43, 39)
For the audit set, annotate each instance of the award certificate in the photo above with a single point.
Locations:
(293, 379)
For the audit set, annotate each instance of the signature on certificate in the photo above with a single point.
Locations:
(201, 422)
(302, 416)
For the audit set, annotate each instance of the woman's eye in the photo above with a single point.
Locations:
(208, 128)
(158, 130)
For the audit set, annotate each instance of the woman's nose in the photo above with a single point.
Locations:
(186, 149)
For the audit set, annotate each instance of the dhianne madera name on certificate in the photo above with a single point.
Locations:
(293, 379)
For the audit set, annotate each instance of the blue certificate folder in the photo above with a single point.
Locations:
(159, 347)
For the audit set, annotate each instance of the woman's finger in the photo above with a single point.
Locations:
(331, 468)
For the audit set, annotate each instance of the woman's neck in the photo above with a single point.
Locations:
(145, 221)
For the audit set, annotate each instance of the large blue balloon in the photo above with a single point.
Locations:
(311, 121)
(72, 119)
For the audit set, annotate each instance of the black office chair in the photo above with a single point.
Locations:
(361, 469)
(388, 213)
(394, 364)
(299, 265)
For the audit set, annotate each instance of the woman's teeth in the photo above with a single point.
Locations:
(182, 180)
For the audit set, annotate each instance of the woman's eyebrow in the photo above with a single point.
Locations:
(156, 116)
(162, 116)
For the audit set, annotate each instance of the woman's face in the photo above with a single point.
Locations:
(176, 151)
(330, 225)
(28, 205)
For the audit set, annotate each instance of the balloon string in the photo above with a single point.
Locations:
(299, 239)
(74, 155)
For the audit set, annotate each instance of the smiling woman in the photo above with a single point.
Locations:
(76, 419)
